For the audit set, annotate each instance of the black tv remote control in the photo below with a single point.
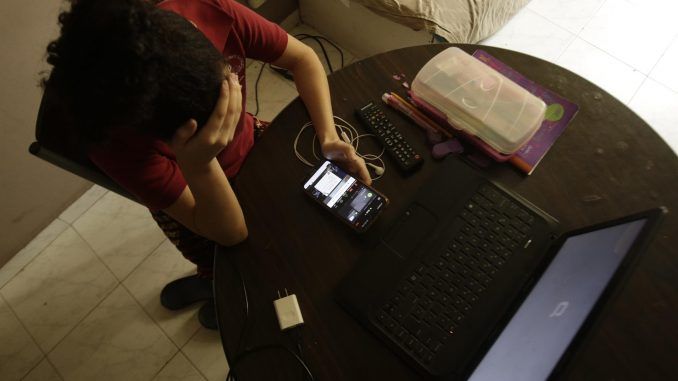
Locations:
(397, 147)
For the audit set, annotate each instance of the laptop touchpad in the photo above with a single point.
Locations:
(412, 227)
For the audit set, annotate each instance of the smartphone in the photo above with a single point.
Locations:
(352, 201)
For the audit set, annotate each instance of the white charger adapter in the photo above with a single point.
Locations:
(289, 314)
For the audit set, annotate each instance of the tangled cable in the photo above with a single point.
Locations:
(350, 135)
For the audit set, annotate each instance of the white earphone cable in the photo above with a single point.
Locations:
(353, 137)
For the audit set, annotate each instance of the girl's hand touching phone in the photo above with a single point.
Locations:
(344, 154)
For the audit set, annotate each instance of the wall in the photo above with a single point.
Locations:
(356, 28)
(32, 192)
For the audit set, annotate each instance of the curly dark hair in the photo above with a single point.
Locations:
(127, 64)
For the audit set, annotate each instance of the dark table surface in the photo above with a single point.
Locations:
(607, 163)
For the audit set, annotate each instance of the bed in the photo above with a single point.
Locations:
(367, 27)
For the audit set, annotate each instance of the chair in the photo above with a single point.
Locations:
(54, 145)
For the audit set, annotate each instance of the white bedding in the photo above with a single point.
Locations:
(463, 21)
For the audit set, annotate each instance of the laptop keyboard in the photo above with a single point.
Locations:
(435, 298)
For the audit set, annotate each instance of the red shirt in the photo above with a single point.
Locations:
(145, 165)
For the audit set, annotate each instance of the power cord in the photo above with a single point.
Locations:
(319, 40)
(246, 311)
(298, 340)
(243, 331)
(256, 89)
(231, 372)
(285, 73)
(238, 355)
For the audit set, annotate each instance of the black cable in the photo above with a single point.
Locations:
(299, 340)
(328, 61)
(341, 52)
(246, 313)
(318, 38)
(301, 36)
(262, 348)
(294, 335)
(322, 47)
(237, 355)
(256, 89)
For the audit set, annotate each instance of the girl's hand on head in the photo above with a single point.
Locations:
(195, 148)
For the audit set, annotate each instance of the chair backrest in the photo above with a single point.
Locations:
(55, 144)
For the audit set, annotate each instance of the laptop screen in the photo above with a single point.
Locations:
(538, 334)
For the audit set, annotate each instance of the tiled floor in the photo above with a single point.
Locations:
(627, 47)
(80, 302)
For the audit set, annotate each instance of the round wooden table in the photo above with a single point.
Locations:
(606, 164)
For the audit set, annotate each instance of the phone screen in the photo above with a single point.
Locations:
(351, 200)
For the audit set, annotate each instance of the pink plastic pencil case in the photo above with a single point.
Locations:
(440, 118)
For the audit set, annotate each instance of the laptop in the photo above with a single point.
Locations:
(474, 282)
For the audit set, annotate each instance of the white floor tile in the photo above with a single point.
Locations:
(179, 369)
(666, 72)
(633, 32)
(204, 350)
(26, 255)
(530, 33)
(58, 288)
(617, 78)
(117, 341)
(164, 265)
(18, 352)
(81, 205)
(657, 105)
(43, 372)
(571, 15)
(659, 6)
(121, 232)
